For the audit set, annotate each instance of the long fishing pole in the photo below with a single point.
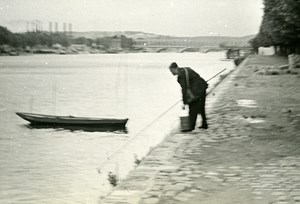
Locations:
(99, 169)
(178, 102)
(174, 105)
(215, 75)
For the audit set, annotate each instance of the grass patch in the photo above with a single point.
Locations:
(112, 178)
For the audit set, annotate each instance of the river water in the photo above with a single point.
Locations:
(55, 166)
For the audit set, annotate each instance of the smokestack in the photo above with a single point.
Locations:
(65, 28)
(56, 27)
(70, 28)
(32, 26)
(50, 27)
(41, 26)
(27, 26)
(37, 26)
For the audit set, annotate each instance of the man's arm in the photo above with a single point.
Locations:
(182, 81)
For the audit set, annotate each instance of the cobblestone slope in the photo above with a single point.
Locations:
(249, 154)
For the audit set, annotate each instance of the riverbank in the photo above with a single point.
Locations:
(90, 50)
(249, 154)
(113, 85)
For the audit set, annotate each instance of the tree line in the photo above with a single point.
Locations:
(21, 40)
(280, 27)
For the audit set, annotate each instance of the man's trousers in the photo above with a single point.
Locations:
(195, 108)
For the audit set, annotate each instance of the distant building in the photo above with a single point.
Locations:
(266, 50)
(232, 53)
(116, 42)
(78, 47)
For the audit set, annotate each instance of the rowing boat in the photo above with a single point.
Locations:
(41, 119)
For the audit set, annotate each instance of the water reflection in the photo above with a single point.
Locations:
(115, 130)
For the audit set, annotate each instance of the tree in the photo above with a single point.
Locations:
(280, 26)
(6, 37)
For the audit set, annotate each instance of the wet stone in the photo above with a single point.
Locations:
(268, 176)
(146, 196)
(187, 172)
(296, 198)
(150, 201)
(184, 194)
(257, 193)
(180, 179)
(259, 164)
(234, 167)
(194, 176)
(174, 188)
(233, 179)
(157, 187)
(282, 198)
(231, 175)
(278, 193)
(154, 193)
(168, 171)
(218, 179)
(194, 190)
(186, 184)
(211, 173)
(162, 173)
(198, 172)
(169, 193)
(176, 174)
(181, 198)
(162, 183)
(199, 187)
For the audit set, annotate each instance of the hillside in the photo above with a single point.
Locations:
(138, 34)
(129, 34)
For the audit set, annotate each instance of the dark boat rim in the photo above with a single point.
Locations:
(71, 120)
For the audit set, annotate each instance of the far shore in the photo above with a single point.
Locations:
(68, 51)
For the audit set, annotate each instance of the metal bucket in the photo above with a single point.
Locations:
(185, 123)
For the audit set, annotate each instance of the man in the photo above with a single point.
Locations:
(198, 87)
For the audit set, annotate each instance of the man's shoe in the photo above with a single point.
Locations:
(188, 130)
(203, 127)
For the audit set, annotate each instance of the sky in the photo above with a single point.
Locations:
(166, 17)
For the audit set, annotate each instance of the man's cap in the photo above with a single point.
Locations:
(173, 65)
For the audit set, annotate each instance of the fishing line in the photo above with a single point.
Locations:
(117, 83)
(139, 132)
(121, 84)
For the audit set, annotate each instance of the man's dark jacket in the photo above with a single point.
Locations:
(197, 85)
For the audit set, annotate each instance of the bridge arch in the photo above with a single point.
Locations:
(189, 49)
(161, 49)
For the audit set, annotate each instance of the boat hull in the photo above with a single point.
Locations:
(40, 119)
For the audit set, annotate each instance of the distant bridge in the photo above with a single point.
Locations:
(179, 49)
(161, 49)
(190, 49)
(203, 49)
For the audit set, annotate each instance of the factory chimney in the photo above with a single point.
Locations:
(70, 28)
(56, 27)
(50, 27)
(65, 27)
